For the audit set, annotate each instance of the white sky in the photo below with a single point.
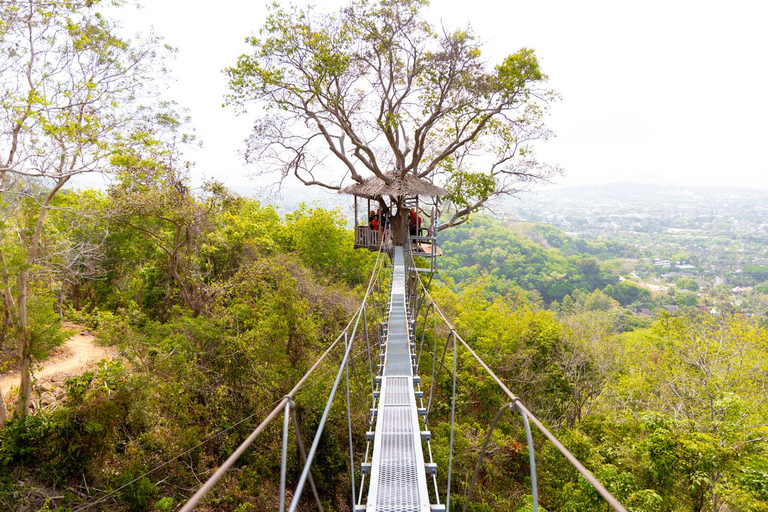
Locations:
(669, 92)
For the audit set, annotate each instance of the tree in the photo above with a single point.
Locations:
(687, 283)
(334, 257)
(381, 90)
(709, 374)
(164, 210)
(628, 292)
(589, 357)
(68, 89)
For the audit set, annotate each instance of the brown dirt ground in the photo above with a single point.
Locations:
(79, 354)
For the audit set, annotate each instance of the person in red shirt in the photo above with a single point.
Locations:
(414, 222)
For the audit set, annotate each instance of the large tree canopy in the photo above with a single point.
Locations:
(381, 89)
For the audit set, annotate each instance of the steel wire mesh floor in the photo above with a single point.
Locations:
(398, 478)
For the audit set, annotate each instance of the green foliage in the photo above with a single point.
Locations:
(686, 283)
(527, 505)
(669, 415)
(467, 188)
(137, 491)
(68, 441)
(457, 505)
(165, 504)
(754, 476)
(487, 247)
(756, 271)
(77, 387)
(45, 326)
(323, 243)
(627, 293)
(687, 299)
(516, 339)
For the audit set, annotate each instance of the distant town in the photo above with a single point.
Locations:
(715, 236)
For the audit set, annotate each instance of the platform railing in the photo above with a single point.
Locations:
(367, 238)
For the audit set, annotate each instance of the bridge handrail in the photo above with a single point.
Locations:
(281, 405)
(594, 482)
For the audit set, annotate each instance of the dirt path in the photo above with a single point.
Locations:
(76, 356)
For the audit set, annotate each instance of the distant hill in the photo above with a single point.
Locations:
(533, 257)
(623, 191)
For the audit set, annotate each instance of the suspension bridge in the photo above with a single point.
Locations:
(396, 471)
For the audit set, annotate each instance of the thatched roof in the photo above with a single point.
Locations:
(410, 185)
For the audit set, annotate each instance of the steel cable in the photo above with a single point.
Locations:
(601, 490)
(208, 485)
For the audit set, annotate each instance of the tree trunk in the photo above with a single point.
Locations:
(25, 341)
(3, 410)
(8, 303)
(399, 226)
(25, 334)
(399, 223)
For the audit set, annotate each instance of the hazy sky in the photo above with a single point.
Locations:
(669, 92)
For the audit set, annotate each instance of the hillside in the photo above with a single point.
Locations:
(210, 341)
(538, 260)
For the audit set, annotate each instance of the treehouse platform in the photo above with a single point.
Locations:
(394, 214)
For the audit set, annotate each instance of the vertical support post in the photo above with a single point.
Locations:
(531, 456)
(368, 348)
(369, 238)
(468, 496)
(323, 419)
(531, 459)
(304, 461)
(453, 417)
(422, 299)
(424, 330)
(284, 456)
(376, 307)
(433, 384)
(347, 343)
(431, 231)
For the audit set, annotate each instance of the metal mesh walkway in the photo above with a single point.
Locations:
(398, 477)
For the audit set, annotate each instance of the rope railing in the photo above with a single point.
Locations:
(286, 404)
(425, 300)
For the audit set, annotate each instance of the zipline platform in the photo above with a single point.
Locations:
(398, 472)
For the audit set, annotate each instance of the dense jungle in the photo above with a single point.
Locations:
(218, 311)
(214, 305)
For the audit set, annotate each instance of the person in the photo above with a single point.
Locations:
(414, 222)
(373, 221)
